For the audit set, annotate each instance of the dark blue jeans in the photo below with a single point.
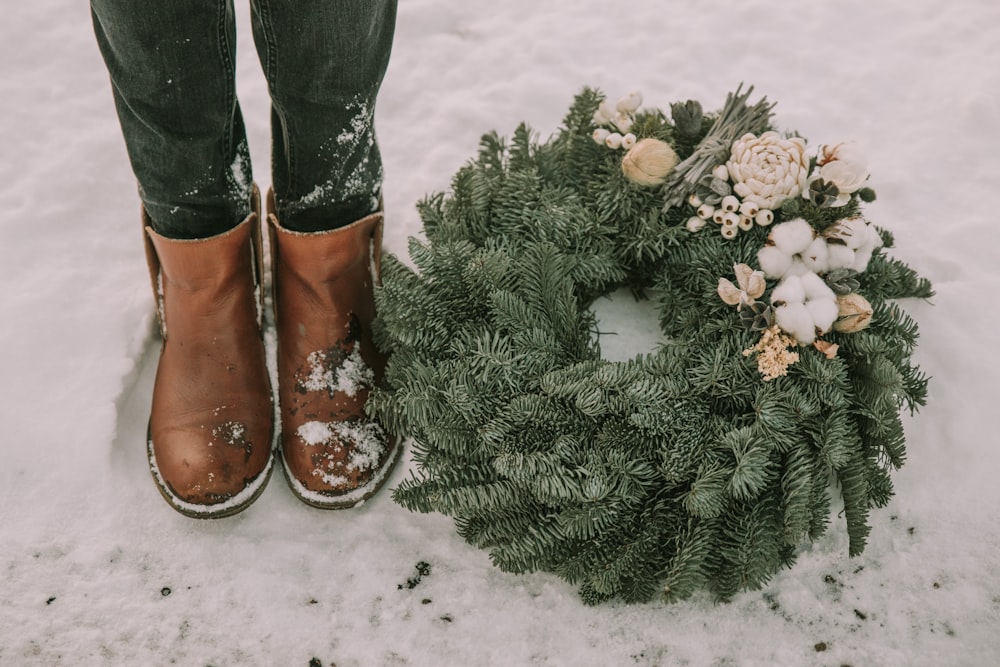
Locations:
(172, 73)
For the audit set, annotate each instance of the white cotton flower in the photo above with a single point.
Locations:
(630, 103)
(798, 267)
(613, 140)
(824, 313)
(796, 320)
(804, 305)
(773, 261)
(767, 169)
(600, 135)
(839, 257)
(789, 290)
(816, 256)
(694, 223)
(816, 288)
(792, 237)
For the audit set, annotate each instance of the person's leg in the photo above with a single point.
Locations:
(173, 78)
(324, 63)
(211, 423)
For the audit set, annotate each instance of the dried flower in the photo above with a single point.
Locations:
(843, 165)
(749, 285)
(773, 355)
(649, 162)
(767, 169)
(854, 313)
(827, 348)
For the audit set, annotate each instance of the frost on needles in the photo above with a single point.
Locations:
(679, 470)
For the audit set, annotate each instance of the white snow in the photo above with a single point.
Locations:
(350, 376)
(97, 569)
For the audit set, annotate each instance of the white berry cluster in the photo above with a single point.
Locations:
(615, 122)
(731, 214)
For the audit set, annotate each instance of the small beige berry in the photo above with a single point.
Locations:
(729, 232)
(721, 172)
(746, 224)
(730, 203)
(694, 224)
(706, 211)
(764, 217)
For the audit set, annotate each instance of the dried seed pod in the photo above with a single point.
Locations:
(764, 217)
(706, 212)
(600, 134)
(730, 203)
(746, 224)
(854, 313)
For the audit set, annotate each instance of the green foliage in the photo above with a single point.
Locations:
(677, 471)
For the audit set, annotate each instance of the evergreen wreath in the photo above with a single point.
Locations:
(703, 464)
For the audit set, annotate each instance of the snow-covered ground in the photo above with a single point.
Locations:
(96, 569)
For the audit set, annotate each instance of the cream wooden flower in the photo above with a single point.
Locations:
(767, 169)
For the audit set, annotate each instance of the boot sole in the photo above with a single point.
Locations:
(232, 506)
(350, 499)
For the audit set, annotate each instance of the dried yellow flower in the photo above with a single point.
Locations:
(773, 355)
(649, 162)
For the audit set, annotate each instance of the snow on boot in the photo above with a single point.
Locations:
(335, 457)
(211, 428)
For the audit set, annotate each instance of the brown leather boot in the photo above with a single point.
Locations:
(211, 427)
(334, 456)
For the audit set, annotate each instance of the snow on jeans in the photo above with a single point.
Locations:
(172, 67)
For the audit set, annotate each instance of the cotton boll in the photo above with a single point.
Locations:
(861, 258)
(792, 237)
(852, 232)
(795, 319)
(816, 256)
(773, 262)
(839, 256)
(798, 268)
(816, 288)
(790, 290)
(824, 313)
